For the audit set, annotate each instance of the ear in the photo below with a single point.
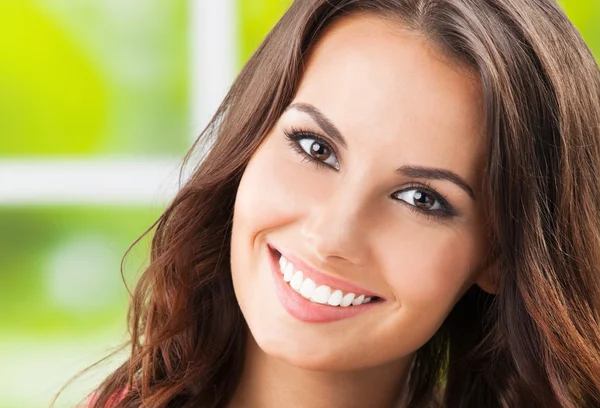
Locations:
(489, 277)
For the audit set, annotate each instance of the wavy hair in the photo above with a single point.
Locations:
(536, 343)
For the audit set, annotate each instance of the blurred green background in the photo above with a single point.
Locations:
(89, 79)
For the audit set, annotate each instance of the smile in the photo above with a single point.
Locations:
(313, 296)
(322, 294)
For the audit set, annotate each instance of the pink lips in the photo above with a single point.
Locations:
(305, 310)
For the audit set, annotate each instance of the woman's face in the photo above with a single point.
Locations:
(369, 184)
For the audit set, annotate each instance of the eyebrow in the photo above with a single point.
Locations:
(325, 124)
(428, 173)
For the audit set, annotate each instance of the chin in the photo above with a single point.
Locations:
(310, 351)
(308, 355)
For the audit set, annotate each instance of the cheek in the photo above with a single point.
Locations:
(429, 271)
(425, 279)
(275, 190)
(263, 198)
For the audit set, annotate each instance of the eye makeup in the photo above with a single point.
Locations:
(296, 138)
(445, 210)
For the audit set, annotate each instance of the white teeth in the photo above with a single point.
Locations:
(289, 267)
(358, 300)
(296, 281)
(308, 288)
(347, 300)
(335, 298)
(322, 294)
(289, 272)
(282, 264)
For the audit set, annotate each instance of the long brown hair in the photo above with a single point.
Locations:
(536, 343)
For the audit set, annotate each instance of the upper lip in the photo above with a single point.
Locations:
(322, 278)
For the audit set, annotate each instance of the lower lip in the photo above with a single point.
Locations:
(305, 310)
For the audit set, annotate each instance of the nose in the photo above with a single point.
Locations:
(336, 228)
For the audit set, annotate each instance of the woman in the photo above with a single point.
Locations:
(398, 207)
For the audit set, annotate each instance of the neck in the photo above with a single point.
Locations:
(268, 382)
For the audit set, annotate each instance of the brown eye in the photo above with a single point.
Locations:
(421, 199)
(319, 151)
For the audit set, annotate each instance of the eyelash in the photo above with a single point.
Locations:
(294, 135)
(446, 212)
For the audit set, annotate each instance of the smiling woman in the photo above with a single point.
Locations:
(396, 210)
(383, 210)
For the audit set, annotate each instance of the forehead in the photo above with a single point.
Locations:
(378, 81)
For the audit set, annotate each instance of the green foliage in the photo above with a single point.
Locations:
(93, 77)
(256, 19)
(60, 266)
(53, 99)
(585, 14)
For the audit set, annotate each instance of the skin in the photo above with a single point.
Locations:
(396, 101)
